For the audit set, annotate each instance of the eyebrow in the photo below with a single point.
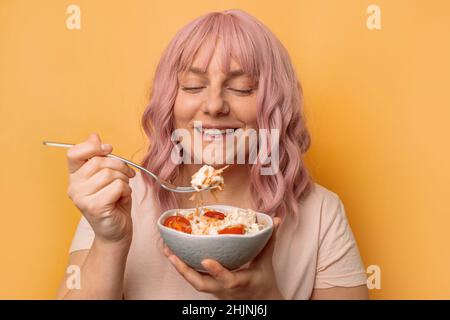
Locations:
(231, 74)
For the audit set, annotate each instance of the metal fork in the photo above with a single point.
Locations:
(166, 185)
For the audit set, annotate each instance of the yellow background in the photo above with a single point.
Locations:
(377, 105)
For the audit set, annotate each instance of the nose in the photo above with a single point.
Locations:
(215, 105)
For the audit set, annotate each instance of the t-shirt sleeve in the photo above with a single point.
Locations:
(339, 262)
(84, 236)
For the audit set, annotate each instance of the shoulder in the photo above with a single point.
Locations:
(321, 191)
(326, 211)
(320, 198)
(322, 209)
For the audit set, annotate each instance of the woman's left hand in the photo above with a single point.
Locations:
(256, 282)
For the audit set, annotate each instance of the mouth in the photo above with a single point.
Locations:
(215, 133)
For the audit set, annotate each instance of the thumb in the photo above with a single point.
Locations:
(266, 254)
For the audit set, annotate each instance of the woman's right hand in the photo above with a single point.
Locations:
(99, 187)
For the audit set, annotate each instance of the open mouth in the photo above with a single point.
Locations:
(213, 133)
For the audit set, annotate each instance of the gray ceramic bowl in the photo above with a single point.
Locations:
(230, 250)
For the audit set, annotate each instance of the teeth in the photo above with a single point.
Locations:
(215, 132)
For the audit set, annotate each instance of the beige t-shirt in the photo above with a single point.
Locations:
(318, 251)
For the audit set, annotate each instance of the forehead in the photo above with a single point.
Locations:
(204, 63)
(232, 73)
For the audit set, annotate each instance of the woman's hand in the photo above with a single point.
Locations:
(99, 187)
(256, 282)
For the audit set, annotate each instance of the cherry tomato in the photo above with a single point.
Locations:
(237, 229)
(215, 214)
(178, 223)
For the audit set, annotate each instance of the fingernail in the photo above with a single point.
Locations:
(106, 147)
(208, 265)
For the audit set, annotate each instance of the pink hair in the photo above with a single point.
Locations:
(262, 56)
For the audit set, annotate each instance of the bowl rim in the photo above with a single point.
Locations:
(212, 236)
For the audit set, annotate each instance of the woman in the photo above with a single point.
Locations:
(225, 70)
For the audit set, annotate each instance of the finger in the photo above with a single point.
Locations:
(199, 282)
(108, 196)
(97, 163)
(167, 251)
(226, 278)
(101, 179)
(80, 153)
(266, 254)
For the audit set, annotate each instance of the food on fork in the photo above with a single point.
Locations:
(207, 177)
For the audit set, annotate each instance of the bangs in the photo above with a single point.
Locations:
(225, 32)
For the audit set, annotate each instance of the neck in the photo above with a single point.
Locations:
(236, 191)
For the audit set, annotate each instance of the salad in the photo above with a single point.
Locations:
(206, 221)
(212, 222)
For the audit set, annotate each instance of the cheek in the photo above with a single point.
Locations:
(247, 112)
(185, 109)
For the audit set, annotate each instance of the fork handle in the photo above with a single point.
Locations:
(69, 145)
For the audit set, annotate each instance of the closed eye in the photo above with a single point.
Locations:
(192, 89)
(197, 89)
(245, 92)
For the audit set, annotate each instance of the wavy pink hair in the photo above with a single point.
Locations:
(280, 103)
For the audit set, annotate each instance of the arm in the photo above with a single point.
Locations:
(341, 293)
(101, 272)
(99, 188)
